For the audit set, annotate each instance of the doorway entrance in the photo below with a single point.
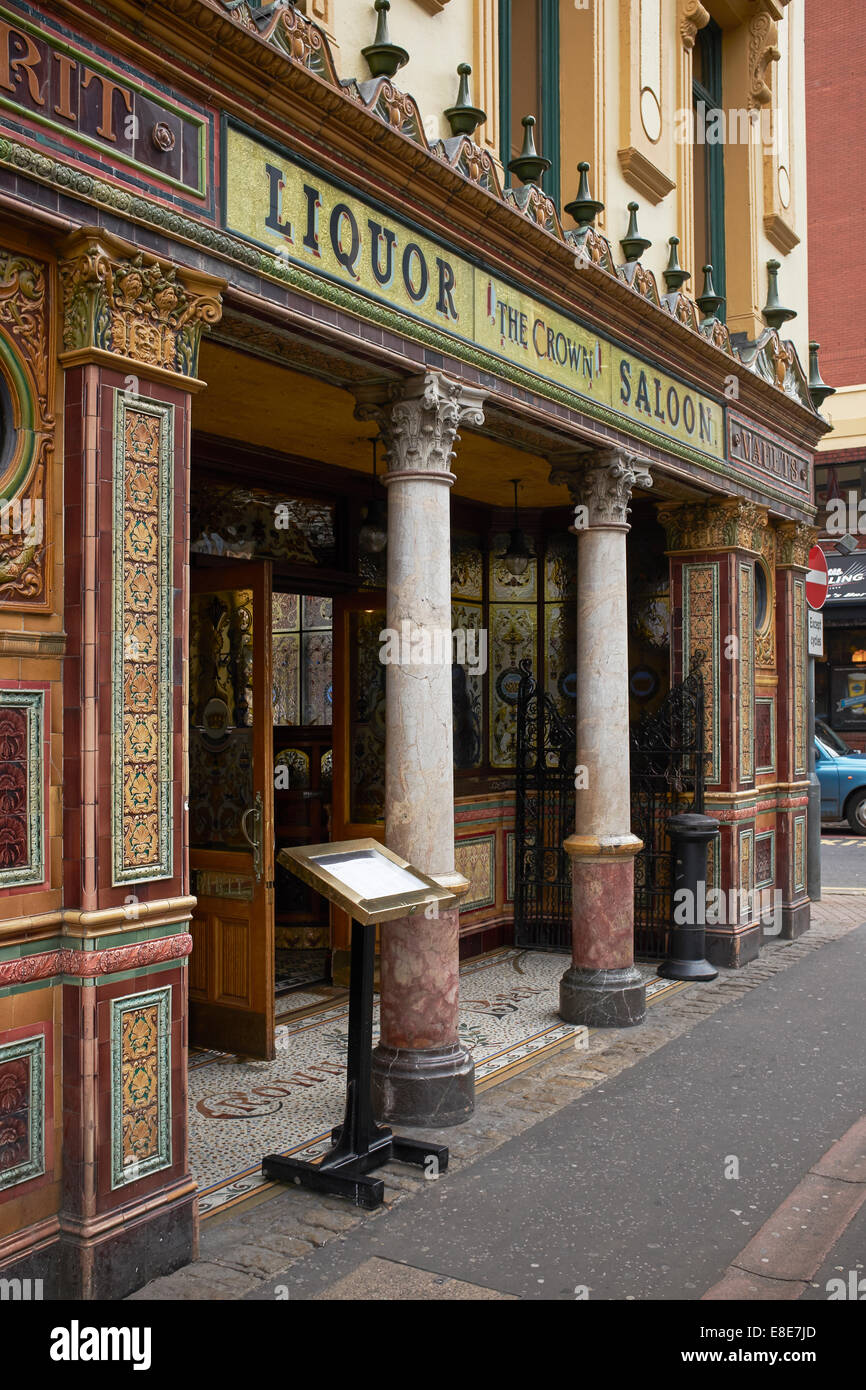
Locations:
(276, 717)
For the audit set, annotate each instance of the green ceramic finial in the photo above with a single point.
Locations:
(709, 302)
(384, 57)
(633, 244)
(583, 208)
(675, 276)
(529, 166)
(818, 389)
(774, 313)
(464, 118)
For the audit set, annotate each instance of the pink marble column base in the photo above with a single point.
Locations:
(602, 988)
(421, 1075)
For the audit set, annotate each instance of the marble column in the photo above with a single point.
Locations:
(602, 988)
(422, 1075)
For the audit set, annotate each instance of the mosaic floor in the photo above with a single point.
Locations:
(241, 1110)
(293, 968)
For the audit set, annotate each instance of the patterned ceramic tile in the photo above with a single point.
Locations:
(22, 1110)
(701, 635)
(21, 787)
(142, 689)
(140, 1085)
(475, 859)
(747, 672)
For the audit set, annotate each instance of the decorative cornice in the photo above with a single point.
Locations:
(24, 970)
(129, 303)
(643, 175)
(730, 524)
(601, 483)
(419, 420)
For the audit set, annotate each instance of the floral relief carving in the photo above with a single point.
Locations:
(762, 52)
(602, 482)
(133, 305)
(419, 422)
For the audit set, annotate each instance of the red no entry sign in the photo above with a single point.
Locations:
(817, 579)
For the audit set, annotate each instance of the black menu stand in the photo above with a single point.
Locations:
(359, 1144)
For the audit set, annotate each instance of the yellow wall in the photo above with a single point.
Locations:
(609, 56)
(435, 41)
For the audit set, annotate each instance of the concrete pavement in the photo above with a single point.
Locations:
(601, 1171)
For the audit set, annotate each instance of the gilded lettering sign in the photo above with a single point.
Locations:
(304, 218)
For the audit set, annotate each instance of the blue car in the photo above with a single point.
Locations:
(842, 773)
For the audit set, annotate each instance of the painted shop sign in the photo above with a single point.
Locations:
(69, 90)
(305, 218)
(765, 455)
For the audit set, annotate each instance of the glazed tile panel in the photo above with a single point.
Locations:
(22, 1106)
(140, 1085)
(21, 783)
(141, 673)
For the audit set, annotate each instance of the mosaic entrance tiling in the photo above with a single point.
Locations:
(241, 1110)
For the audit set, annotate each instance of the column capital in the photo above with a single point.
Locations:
(601, 482)
(419, 419)
(794, 541)
(718, 524)
(132, 311)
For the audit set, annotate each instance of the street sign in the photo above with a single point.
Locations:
(817, 579)
(816, 634)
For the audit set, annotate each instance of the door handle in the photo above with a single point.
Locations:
(255, 840)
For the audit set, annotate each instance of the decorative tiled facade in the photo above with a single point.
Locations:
(701, 638)
(799, 853)
(747, 874)
(24, 477)
(765, 859)
(22, 1110)
(140, 1085)
(799, 676)
(22, 778)
(475, 859)
(142, 676)
(746, 672)
(765, 734)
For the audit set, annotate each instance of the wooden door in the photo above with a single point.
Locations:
(359, 729)
(231, 781)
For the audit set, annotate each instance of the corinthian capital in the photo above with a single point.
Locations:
(419, 419)
(126, 302)
(601, 483)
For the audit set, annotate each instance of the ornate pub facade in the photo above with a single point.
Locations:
(305, 362)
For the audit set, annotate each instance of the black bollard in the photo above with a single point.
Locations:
(690, 834)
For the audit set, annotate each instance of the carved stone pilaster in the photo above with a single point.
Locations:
(419, 420)
(601, 484)
(129, 304)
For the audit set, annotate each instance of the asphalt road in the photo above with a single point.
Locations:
(843, 858)
(651, 1184)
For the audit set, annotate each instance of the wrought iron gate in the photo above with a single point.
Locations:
(668, 767)
(544, 818)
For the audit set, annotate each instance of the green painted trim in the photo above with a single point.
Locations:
(220, 243)
(505, 82)
(710, 38)
(549, 37)
(164, 413)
